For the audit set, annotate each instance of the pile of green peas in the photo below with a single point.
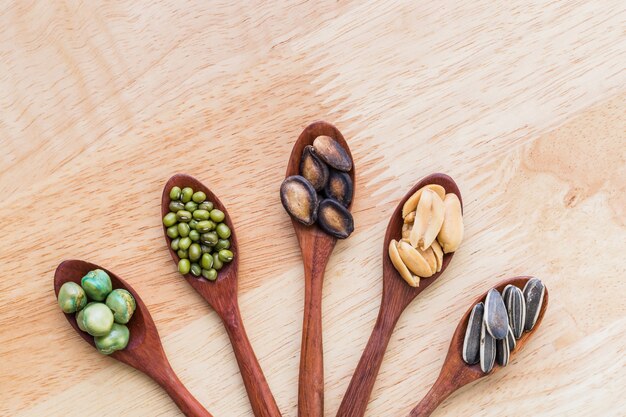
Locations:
(100, 310)
(198, 233)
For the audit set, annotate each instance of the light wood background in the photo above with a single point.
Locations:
(523, 103)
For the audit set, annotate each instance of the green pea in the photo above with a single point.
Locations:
(184, 266)
(195, 252)
(176, 206)
(72, 297)
(184, 243)
(201, 214)
(183, 229)
(195, 269)
(169, 219)
(186, 194)
(225, 255)
(175, 193)
(97, 319)
(210, 274)
(122, 304)
(182, 253)
(172, 231)
(116, 339)
(222, 244)
(209, 238)
(183, 216)
(217, 215)
(194, 235)
(174, 244)
(205, 226)
(217, 262)
(190, 206)
(206, 205)
(207, 261)
(97, 285)
(79, 319)
(205, 248)
(222, 230)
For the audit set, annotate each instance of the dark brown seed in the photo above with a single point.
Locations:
(511, 339)
(487, 350)
(502, 352)
(313, 168)
(516, 309)
(496, 319)
(471, 343)
(339, 187)
(299, 199)
(332, 153)
(533, 295)
(335, 219)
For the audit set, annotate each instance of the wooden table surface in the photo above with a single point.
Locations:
(523, 103)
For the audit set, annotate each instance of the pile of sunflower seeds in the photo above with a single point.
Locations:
(495, 326)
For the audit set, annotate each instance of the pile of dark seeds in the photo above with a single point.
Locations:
(495, 326)
(323, 190)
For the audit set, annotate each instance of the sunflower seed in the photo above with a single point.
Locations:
(471, 343)
(505, 292)
(496, 319)
(516, 309)
(502, 352)
(511, 339)
(533, 294)
(487, 349)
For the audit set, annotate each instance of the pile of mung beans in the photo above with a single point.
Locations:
(198, 233)
(100, 310)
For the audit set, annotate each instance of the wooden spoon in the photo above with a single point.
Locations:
(316, 247)
(144, 351)
(455, 373)
(397, 295)
(222, 297)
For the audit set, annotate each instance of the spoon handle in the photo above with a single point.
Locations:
(358, 393)
(450, 379)
(261, 399)
(311, 377)
(166, 377)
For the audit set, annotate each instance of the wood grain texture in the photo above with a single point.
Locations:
(522, 103)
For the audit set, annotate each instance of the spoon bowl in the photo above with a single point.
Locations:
(316, 247)
(455, 373)
(144, 351)
(221, 295)
(306, 138)
(397, 295)
(392, 281)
